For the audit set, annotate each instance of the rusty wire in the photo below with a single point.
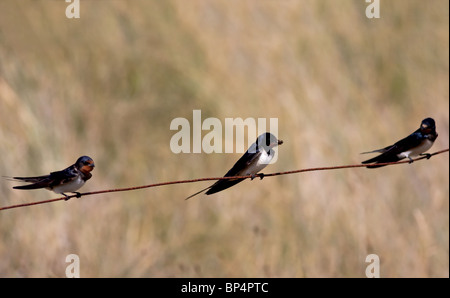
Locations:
(217, 178)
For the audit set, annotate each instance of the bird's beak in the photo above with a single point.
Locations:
(279, 142)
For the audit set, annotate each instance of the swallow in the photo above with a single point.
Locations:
(256, 158)
(413, 145)
(68, 180)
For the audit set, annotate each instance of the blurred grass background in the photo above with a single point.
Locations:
(109, 84)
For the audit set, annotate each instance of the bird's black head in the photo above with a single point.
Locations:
(428, 126)
(267, 141)
(85, 164)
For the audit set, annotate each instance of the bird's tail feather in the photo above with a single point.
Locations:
(223, 184)
(42, 184)
(198, 192)
(375, 151)
(375, 159)
(28, 179)
(380, 159)
(36, 182)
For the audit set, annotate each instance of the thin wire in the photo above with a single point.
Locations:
(219, 178)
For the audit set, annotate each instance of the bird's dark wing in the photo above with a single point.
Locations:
(223, 184)
(389, 153)
(37, 182)
(50, 181)
(242, 163)
(236, 170)
(64, 176)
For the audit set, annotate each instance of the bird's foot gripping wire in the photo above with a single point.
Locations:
(428, 155)
(78, 195)
(260, 175)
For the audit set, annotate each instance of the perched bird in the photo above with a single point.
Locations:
(257, 157)
(413, 145)
(68, 180)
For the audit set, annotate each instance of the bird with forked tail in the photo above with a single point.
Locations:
(413, 145)
(68, 180)
(257, 157)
